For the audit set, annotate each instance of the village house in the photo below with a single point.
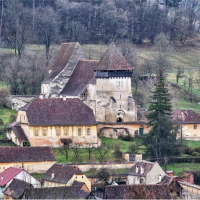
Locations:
(188, 122)
(143, 191)
(144, 172)
(31, 159)
(52, 122)
(9, 175)
(16, 189)
(78, 190)
(64, 175)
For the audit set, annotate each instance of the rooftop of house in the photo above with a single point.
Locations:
(62, 173)
(62, 58)
(26, 154)
(82, 75)
(76, 191)
(16, 188)
(8, 175)
(186, 116)
(167, 180)
(71, 111)
(139, 191)
(112, 60)
(18, 131)
(141, 168)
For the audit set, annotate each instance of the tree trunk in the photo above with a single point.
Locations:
(2, 7)
(33, 14)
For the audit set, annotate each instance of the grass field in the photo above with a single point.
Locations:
(96, 157)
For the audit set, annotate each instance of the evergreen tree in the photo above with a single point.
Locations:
(162, 138)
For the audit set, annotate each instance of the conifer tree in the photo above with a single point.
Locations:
(162, 138)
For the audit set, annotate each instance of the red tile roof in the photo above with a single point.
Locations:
(137, 192)
(18, 131)
(26, 154)
(113, 60)
(62, 173)
(147, 166)
(71, 111)
(62, 58)
(186, 116)
(82, 75)
(8, 175)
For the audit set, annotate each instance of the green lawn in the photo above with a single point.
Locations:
(96, 157)
(111, 171)
(191, 143)
(38, 176)
(179, 168)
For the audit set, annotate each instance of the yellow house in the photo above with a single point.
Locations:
(64, 175)
(189, 123)
(31, 159)
(48, 122)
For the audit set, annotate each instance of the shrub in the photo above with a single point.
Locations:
(117, 153)
(127, 137)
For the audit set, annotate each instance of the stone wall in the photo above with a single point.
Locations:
(18, 101)
(86, 167)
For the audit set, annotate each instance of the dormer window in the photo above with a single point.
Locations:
(142, 170)
(136, 169)
(159, 179)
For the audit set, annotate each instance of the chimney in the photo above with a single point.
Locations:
(1, 177)
(41, 96)
(52, 175)
(50, 71)
(64, 98)
(61, 96)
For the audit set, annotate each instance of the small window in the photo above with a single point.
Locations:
(195, 126)
(66, 131)
(57, 131)
(88, 129)
(82, 176)
(24, 118)
(44, 131)
(79, 131)
(36, 132)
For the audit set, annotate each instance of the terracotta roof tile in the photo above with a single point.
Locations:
(62, 58)
(18, 131)
(137, 192)
(147, 166)
(82, 75)
(71, 111)
(16, 188)
(113, 60)
(186, 116)
(9, 174)
(26, 154)
(62, 173)
(68, 192)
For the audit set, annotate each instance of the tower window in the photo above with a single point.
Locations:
(36, 134)
(79, 131)
(44, 131)
(57, 131)
(66, 131)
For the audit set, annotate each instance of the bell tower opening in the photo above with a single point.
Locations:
(119, 119)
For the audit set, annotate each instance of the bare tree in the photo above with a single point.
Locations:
(102, 150)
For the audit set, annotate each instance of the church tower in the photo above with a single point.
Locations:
(114, 101)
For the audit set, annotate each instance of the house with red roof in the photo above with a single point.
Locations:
(8, 175)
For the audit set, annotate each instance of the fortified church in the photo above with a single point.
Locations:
(79, 99)
(104, 86)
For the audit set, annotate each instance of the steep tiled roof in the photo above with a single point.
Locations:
(71, 111)
(68, 192)
(26, 154)
(62, 58)
(8, 175)
(13, 124)
(62, 173)
(137, 192)
(18, 131)
(147, 166)
(167, 180)
(186, 116)
(82, 75)
(113, 60)
(16, 188)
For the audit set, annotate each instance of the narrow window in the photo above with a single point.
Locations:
(195, 126)
(44, 131)
(66, 131)
(88, 129)
(57, 131)
(36, 132)
(79, 131)
(120, 96)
